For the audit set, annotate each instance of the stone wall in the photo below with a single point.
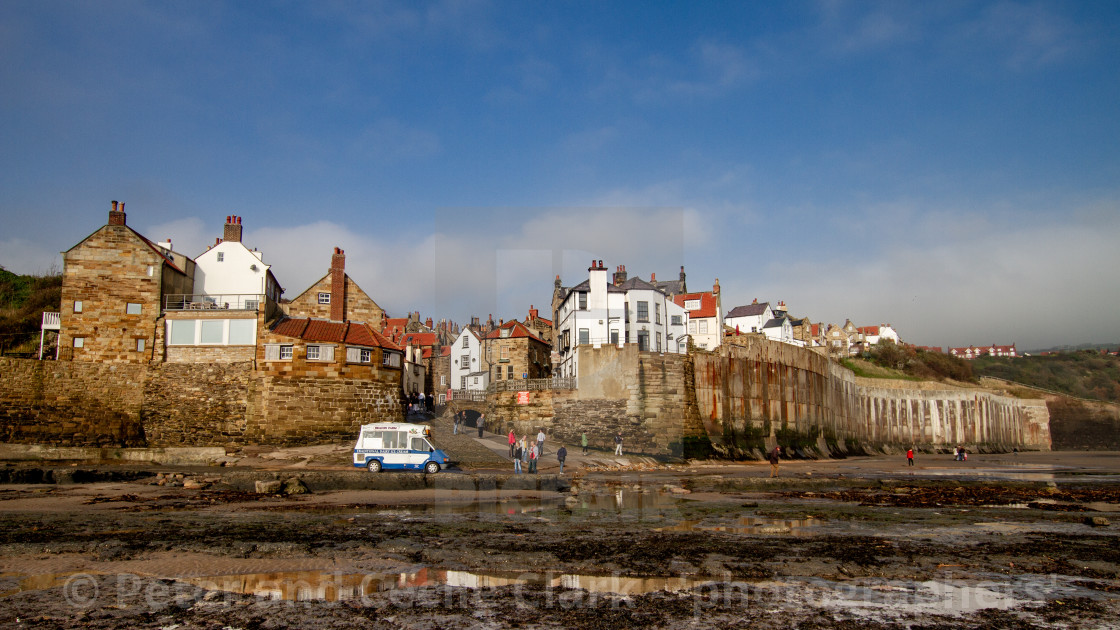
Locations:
(199, 404)
(70, 403)
(307, 410)
(751, 395)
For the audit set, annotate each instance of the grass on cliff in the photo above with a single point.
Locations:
(22, 302)
(889, 360)
(1083, 373)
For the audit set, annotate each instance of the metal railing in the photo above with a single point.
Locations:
(219, 301)
(51, 321)
(534, 384)
(468, 394)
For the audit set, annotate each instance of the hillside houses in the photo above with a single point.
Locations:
(975, 352)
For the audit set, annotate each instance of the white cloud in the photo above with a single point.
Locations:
(1028, 283)
(24, 257)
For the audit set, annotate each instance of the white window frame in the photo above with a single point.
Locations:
(286, 352)
(140, 345)
(691, 305)
(324, 297)
(133, 308)
(77, 306)
(79, 342)
(221, 256)
(320, 353)
(276, 352)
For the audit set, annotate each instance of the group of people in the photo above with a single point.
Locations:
(418, 402)
(961, 455)
(525, 453)
(460, 418)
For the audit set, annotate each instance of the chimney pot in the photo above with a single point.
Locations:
(116, 215)
(232, 230)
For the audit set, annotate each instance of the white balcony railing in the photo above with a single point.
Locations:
(223, 301)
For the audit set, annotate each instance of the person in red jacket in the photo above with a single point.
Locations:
(910, 457)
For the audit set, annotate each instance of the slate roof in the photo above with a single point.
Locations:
(775, 323)
(750, 310)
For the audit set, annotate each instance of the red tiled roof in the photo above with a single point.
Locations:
(816, 329)
(445, 351)
(518, 330)
(426, 353)
(419, 339)
(707, 303)
(309, 329)
(869, 330)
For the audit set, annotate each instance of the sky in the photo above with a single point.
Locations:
(951, 168)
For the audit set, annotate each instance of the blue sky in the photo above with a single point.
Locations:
(952, 168)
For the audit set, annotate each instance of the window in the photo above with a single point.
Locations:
(691, 305)
(324, 298)
(466, 341)
(692, 327)
(132, 308)
(643, 340)
(675, 320)
(443, 380)
(657, 313)
(465, 361)
(139, 345)
(582, 301)
(703, 327)
(498, 373)
(77, 306)
(390, 359)
(476, 380)
(312, 353)
(505, 354)
(79, 342)
(221, 256)
(659, 343)
(182, 331)
(286, 353)
(242, 332)
(509, 372)
(614, 337)
(418, 444)
(506, 332)
(462, 382)
(643, 311)
(584, 336)
(213, 331)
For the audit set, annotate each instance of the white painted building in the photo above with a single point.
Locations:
(780, 329)
(705, 317)
(750, 318)
(231, 273)
(469, 370)
(598, 312)
(875, 334)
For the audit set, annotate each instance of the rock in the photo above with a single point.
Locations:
(1096, 521)
(271, 486)
(193, 484)
(679, 490)
(295, 486)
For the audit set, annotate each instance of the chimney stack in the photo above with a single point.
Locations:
(116, 217)
(652, 278)
(620, 275)
(715, 288)
(338, 285)
(684, 285)
(428, 323)
(532, 313)
(232, 229)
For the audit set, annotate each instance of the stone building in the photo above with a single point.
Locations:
(338, 298)
(705, 316)
(514, 352)
(114, 283)
(539, 326)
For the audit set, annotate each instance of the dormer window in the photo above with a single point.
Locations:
(691, 305)
(506, 332)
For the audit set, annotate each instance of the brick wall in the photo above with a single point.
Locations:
(359, 307)
(308, 410)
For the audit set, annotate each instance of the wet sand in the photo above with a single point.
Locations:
(999, 541)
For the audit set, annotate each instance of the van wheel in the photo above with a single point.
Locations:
(374, 465)
(431, 468)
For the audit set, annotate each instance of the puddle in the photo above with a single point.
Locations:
(620, 501)
(322, 586)
(751, 526)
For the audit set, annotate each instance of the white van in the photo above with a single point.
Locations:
(398, 447)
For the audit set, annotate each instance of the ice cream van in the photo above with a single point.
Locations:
(398, 447)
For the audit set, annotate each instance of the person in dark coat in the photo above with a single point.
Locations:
(775, 460)
(562, 454)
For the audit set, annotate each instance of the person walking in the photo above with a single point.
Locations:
(540, 443)
(583, 441)
(561, 455)
(524, 449)
(910, 456)
(533, 459)
(618, 443)
(481, 424)
(455, 423)
(517, 460)
(775, 460)
(512, 442)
